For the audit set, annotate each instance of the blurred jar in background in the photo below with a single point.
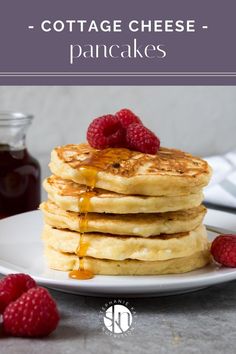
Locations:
(19, 171)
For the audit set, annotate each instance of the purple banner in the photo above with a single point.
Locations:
(153, 42)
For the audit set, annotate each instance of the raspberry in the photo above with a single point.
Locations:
(127, 117)
(223, 250)
(34, 314)
(141, 139)
(105, 131)
(12, 287)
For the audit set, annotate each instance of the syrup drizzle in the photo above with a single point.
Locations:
(89, 168)
(90, 176)
(101, 160)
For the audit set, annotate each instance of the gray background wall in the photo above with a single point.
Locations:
(201, 120)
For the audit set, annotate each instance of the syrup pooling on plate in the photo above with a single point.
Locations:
(81, 274)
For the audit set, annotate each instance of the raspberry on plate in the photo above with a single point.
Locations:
(105, 131)
(127, 117)
(142, 139)
(13, 286)
(223, 250)
(34, 314)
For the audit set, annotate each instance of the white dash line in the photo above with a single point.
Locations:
(205, 27)
(31, 27)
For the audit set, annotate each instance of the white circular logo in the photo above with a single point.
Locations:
(117, 317)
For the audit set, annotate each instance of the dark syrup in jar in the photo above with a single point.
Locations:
(19, 181)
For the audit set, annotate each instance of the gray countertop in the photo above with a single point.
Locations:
(198, 322)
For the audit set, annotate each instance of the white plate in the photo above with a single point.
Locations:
(21, 250)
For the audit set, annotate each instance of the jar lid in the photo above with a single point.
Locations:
(8, 118)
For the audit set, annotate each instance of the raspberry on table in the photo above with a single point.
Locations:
(13, 286)
(142, 139)
(127, 117)
(223, 250)
(33, 314)
(106, 131)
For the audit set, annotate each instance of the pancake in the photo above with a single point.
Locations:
(69, 195)
(169, 172)
(66, 262)
(144, 225)
(106, 246)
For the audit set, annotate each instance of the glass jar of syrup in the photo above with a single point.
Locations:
(19, 171)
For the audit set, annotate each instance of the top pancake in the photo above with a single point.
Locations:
(169, 172)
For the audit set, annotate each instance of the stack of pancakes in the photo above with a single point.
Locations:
(117, 211)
